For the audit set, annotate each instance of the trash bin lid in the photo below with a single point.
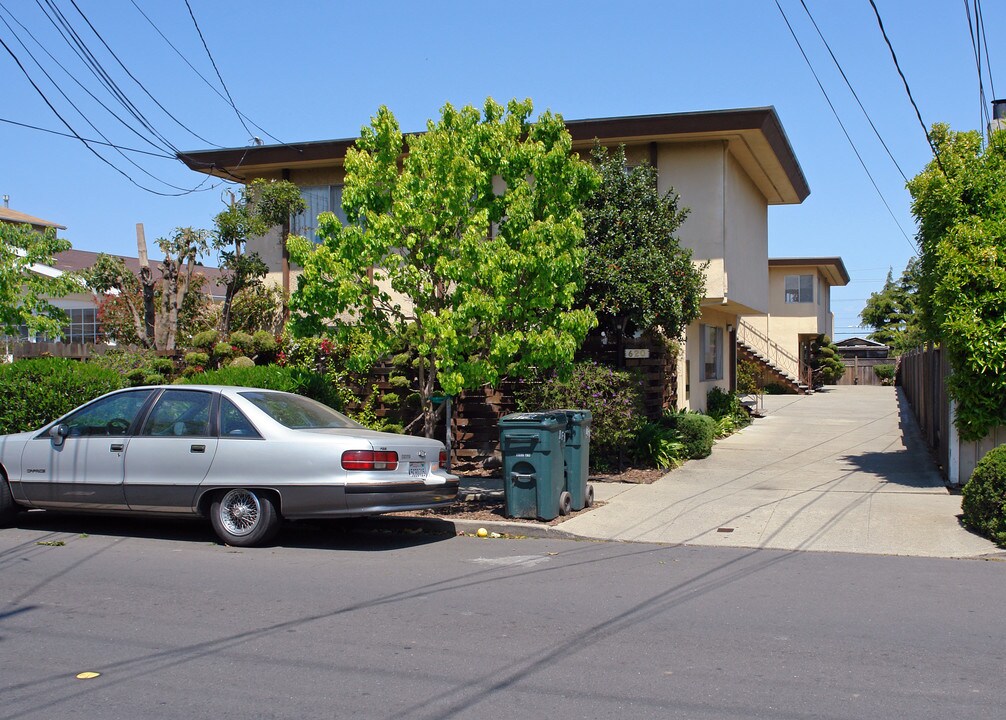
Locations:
(577, 415)
(541, 419)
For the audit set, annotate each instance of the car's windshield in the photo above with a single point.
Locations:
(298, 413)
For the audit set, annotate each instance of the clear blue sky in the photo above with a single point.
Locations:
(317, 70)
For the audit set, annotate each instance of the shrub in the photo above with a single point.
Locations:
(164, 366)
(223, 350)
(695, 430)
(659, 446)
(241, 361)
(264, 342)
(36, 392)
(153, 379)
(197, 359)
(984, 497)
(613, 397)
(135, 376)
(885, 373)
(725, 408)
(775, 389)
(205, 340)
(243, 342)
(273, 377)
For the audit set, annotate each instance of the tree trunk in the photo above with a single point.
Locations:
(147, 287)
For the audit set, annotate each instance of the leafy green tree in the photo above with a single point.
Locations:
(24, 293)
(262, 205)
(959, 201)
(638, 277)
(893, 311)
(467, 251)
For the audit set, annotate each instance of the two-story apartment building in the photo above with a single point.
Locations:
(728, 166)
(799, 310)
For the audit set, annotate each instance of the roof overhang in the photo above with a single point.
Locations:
(754, 136)
(832, 268)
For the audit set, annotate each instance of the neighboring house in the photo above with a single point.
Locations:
(82, 307)
(728, 166)
(857, 347)
(799, 310)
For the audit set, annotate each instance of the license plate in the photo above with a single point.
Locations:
(417, 469)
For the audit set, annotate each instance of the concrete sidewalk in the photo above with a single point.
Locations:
(843, 470)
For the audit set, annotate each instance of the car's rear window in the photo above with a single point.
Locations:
(298, 413)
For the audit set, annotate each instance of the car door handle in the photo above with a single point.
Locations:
(116, 447)
(197, 448)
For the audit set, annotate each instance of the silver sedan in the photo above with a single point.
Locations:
(245, 457)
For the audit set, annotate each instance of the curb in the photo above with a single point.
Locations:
(445, 526)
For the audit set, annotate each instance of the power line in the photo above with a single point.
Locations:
(134, 79)
(929, 139)
(842, 125)
(192, 67)
(985, 42)
(78, 137)
(853, 91)
(80, 112)
(216, 69)
(88, 140)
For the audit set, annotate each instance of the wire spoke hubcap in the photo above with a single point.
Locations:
(240, 512)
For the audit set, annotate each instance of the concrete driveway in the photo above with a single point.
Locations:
(843, 470)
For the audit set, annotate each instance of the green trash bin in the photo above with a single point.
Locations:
(533, 465)
(577, 456)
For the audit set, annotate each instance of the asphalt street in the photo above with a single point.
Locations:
(333, 624)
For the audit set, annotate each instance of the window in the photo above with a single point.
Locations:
(297, 412)
(233, 423)
(712, 352)
(109, 416)
(180, 413)
(799, 288)
(83, 327)
(319, 199)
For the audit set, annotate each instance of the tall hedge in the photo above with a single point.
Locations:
(38, 391)
(275, 377)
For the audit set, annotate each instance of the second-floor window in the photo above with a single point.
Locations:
(319, 199)
(799, 288)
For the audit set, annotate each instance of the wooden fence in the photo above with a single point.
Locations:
(860, 371)
(922, 374)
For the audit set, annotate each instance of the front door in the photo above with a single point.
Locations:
(84, 470)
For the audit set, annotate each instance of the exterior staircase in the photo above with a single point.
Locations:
(776, 362)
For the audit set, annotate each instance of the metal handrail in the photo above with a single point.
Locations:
(767, 348)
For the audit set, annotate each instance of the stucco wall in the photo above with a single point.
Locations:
(727, 220)
(692, 394)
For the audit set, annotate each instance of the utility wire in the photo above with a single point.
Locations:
(73, 77)
(81, 113)
(929, 139)
(79, 47)
(217, 70)
(985, 42)
(134, 79)
(973, 33)
(853, 91)
(842, 125)
(78, 137)
(87, 140)
(202, 77)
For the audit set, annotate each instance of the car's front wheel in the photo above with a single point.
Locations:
(244, 518)
(8, 508)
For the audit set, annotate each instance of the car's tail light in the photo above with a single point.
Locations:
(370, 460)
(443, 458)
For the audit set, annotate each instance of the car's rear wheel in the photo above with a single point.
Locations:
(244, 518)
(8, 508)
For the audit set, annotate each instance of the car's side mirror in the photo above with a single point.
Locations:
(58, 433)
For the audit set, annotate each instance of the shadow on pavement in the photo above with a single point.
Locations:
(363, 534)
